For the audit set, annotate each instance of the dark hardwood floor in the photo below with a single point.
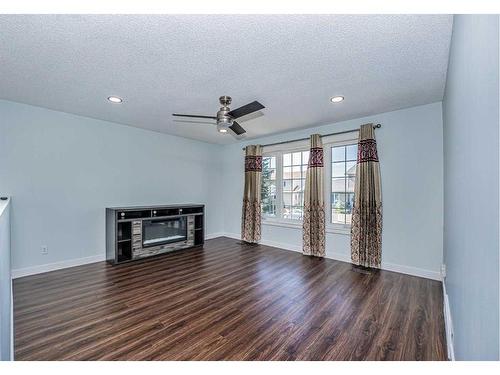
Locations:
(228, 301)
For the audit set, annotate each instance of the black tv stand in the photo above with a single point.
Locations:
(134, 233)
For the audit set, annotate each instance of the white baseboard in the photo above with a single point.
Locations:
(231, 235)
(407, 270)
(21, 272)
(214, 235)
(448, 324)
(413, 271)
(282, 246)
(28, 271)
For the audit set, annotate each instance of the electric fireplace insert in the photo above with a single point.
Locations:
(163, 231)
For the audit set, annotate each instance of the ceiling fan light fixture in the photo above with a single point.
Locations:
(222, 128)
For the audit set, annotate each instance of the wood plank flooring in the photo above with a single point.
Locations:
(227, 301)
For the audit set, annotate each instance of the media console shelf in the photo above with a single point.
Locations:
(138, 232)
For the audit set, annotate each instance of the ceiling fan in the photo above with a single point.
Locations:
(225, 117)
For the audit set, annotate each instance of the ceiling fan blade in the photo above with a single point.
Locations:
(199, 116)
(194, 121)
(237, 128)
(246, 109)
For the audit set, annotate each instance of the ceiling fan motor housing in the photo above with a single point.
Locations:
(223, 119)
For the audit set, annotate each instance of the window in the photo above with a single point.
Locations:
(294, 181)
(268, 187)
(283, 181)
(342, 186)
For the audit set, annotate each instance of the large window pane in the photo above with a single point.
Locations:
(287, 185)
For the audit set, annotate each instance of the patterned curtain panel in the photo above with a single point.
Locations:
(250, 222)
(313, 233)
(366, 227)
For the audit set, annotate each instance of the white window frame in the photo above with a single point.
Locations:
(278, 151)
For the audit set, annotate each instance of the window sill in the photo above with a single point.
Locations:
(335, 229)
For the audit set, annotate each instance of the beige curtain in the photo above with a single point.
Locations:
(366, 227)
(250, 222)
(313, 233)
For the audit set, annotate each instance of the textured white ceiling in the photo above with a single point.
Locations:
(161, 64)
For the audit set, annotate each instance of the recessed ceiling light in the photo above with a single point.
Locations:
(337, 99)
(115, 99)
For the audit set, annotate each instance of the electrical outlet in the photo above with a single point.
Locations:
(45, 250)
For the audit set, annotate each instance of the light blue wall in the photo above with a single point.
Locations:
(410, 145)
(62, 170)
(470, 114)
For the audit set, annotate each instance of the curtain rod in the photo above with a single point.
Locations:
(323, 135)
